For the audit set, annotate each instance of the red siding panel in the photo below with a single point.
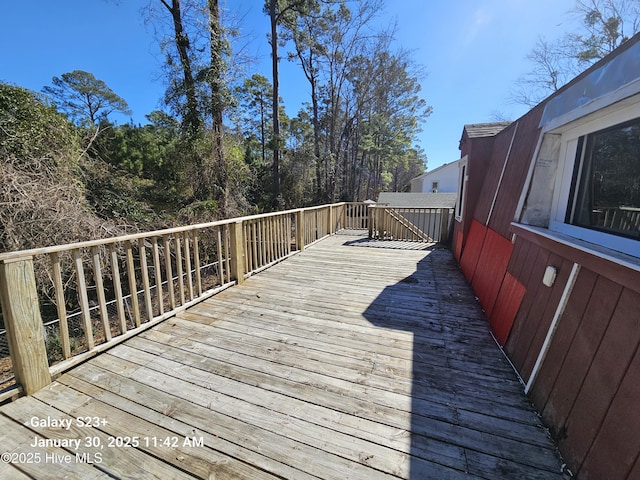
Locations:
(601, 383)
(581, 352)
(615, 449)
(526, 322)
(506, 307)
(518, 258)
(491, 268)
(493, 171)
(547, 301)
(567, 327)
(472, 249)
(516, 170)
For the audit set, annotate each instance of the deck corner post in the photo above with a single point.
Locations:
(300, 230)
(25, 332)
(330, 226)
(237, 251)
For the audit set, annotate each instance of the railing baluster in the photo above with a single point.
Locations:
(254, 244)
(270, 242)
(117, 287)
(133, 286)
(157, 273)
(179, 268)
(196, 261)
(61, 305)
(81, 286)
(144, 269)
(263, 243)
(284, 234)
(267, 241)
(246, 229)
(102, 301)
(221, 268)
(288, 234)
(280, 251)
(167, 265)
(227, 249)
(187, 260)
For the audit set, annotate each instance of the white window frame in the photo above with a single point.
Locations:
(615, 114)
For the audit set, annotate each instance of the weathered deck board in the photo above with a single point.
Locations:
(345, 361)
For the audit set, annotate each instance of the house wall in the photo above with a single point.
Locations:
(476, 171)
(446, 176)
(586, 384)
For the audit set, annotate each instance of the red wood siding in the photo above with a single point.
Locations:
(567, 328)
(609, 366)
(479, 153)
(527, 322)
(546, 304)
(472, 249)
(506, 307)
(616, 446)
(490, 269)
(587, 387)
(580, 352)
(492, 176)
(516, 171)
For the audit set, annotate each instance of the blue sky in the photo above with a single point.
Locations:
(473, 51)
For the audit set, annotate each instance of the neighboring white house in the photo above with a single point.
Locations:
(443, 179)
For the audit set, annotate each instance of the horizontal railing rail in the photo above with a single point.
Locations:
(98, 293)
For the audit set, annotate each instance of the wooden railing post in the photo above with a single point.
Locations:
(371, 222)
(237, 252)
(25, 333)
(300, 230)
(330, 221)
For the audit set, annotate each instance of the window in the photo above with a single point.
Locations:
(434, 187)
(595, 181)
(605, 192)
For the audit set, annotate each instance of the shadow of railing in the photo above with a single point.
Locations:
(469, 417)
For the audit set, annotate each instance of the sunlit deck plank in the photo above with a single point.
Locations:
(344, 361)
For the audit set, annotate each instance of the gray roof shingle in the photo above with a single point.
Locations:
(419, 200)
(476, 130)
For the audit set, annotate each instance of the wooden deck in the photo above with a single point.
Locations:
(343, 362)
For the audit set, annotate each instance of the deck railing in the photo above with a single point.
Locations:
(409, 223)
(101, 292)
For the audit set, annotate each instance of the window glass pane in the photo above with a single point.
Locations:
(609, 191)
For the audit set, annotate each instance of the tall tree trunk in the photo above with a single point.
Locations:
(273, 16)
(191, 120)
(217, 104)
(262, 129)
(316, 135)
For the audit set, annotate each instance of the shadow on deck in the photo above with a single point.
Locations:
(342, 362)
(468, 411)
